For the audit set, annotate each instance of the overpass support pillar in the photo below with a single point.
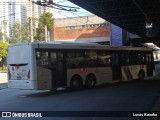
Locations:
(118, 36)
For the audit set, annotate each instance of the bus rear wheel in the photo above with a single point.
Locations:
(76, 82)
(90, 81)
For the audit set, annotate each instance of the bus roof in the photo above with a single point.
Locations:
(79, 45)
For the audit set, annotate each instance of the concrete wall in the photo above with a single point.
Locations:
(87, 29)
(75, 21)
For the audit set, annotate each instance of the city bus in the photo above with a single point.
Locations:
(47, 66)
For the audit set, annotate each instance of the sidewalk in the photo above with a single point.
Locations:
(3, 78)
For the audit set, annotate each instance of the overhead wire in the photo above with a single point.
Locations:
(84, 18)
(58, 13)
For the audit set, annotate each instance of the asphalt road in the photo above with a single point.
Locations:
(128, 96)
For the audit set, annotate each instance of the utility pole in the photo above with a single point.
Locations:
(30, 30)
(46, 36)
(31, 22)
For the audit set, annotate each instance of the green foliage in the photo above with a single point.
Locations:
(34, 22)
(3, 70)
(19, 33)
(45, 19)
(3, 49)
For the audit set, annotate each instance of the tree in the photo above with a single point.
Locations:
(3, 54)
(19, 33)
(3, 49)
(34, 27)
(44, 20)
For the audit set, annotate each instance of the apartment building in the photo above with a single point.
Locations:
(4, 18)
(13, 11)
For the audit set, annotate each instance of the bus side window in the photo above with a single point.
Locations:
(104, 58)
(38, 55)
(75, 59)
(125, 58)
(53, 60)
(142, 58)
(42, 59)
(116, 61)
(148, 58)
(133, 57)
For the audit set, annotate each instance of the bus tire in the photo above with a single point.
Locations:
(90, 81)
(141, 75)
(76, 82)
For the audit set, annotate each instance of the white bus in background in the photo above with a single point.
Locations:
(47, 66)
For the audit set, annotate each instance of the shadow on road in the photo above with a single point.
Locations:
(3, 85)
(45, 93)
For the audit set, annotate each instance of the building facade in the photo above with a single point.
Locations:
(85, 29)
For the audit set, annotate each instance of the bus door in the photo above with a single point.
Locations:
(58, 69)
(116, 66)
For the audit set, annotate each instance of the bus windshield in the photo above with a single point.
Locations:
(18, 54)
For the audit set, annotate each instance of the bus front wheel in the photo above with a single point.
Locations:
(76, 82)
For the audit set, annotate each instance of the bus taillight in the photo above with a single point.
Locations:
(28, 74)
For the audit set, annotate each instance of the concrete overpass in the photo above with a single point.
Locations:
(140, 17)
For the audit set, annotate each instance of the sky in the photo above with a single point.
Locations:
(65, 14)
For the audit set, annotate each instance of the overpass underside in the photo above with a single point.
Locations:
(140, 17)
